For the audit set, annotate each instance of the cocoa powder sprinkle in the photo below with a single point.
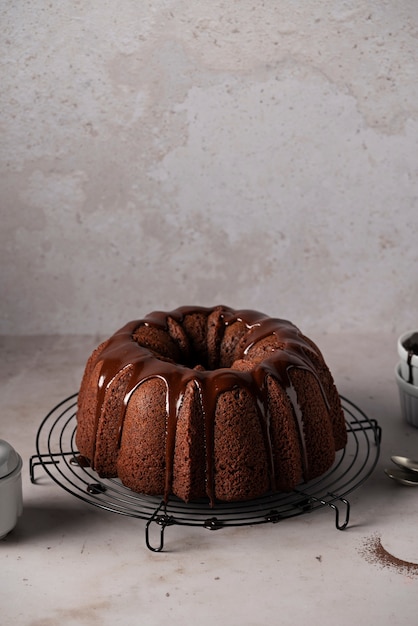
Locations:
(374, 553)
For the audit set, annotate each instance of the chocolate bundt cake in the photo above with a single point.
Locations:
(209, 402)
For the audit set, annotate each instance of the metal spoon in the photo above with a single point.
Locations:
(403, 476)
(404, 462)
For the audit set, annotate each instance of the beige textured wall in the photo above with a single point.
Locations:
(257, 154)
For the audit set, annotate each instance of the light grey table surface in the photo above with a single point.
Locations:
(71, 563)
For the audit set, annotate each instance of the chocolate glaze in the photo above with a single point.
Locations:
(122, 351)
(411, 346)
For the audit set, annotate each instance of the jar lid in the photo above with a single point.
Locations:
(9, 459)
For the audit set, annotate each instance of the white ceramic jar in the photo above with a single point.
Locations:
(11, 504)
(408, 396)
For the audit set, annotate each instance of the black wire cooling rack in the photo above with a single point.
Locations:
(56, 452)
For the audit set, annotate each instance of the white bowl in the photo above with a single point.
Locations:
(408, 395)
(408, 370)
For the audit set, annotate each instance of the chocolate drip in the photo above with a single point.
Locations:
(122, 351)
(411, 346)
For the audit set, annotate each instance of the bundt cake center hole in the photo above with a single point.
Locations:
(195, 362)
(197, 349)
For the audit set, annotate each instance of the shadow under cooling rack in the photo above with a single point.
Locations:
(57, 454)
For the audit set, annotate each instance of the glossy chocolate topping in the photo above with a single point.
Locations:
(123, 351)
(411, 346)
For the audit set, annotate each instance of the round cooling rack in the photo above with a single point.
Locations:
(56, 452)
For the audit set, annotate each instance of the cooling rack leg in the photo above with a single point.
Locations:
(344, 524)
(339, 525)
(32, 464)
(158, 548)
(37, 460)
(162, 520)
